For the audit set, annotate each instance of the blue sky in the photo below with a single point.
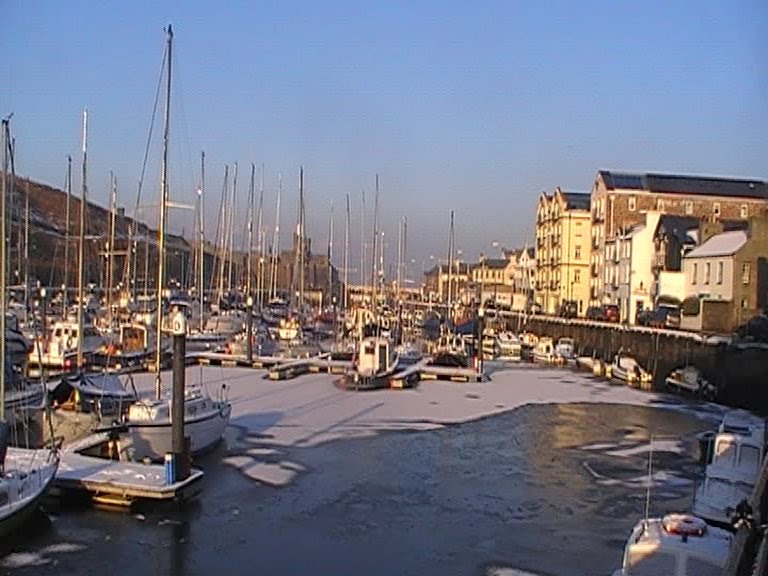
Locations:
(470, 106)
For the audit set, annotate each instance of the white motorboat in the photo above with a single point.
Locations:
(717, 498)
(544, 351)
(150, 427)
(628, 370)
(737, 454)
(376, 361)
(451, 350)
(690, 380)
(565, 349)
(510, 347)
(289, 330)
(57, 348)
(675, 545)
(134, 347)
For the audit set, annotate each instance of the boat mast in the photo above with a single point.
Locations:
(330, 254)
(26, 244)
(374, 255)
(301, 247)
(260, 229)
(201, 238)
(346, 256)
(248, 265)
(231, 231)
(276, 240)
(111, 245)
(163, 208)
(450, 267)
(3, 261)
(65, 282)
(81, 245)
(362, 247)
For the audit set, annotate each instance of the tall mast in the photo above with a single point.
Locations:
(201, 238)
(251, 192)
(81, 245)
(65, 281)
(346, 257)
(260, 232)
(374, 252)
(111, 245)
(450, 266)
(163, 208)
(3, 262)
(231, 230)
(276, 239)
(399, 257)
(362, 247)
(26, 242)
(330, 255)
(302, 251)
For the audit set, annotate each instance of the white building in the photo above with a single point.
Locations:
(628, 268)
(708, 268)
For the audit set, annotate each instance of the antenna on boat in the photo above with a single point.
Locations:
(650, 481)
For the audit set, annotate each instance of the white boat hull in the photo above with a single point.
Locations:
(24, 494)
(153, 440)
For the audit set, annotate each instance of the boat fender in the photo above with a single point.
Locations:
(684, 525)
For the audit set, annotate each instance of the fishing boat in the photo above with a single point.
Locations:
(57, 348)
(132, 349)
(565, 350)
(451, 350)
(149, 420)
(689, 380)
(376, 361)
(510, 347)
(25, 474)
(719, 495)
(628, 370)
(544, 351)
(675, 545)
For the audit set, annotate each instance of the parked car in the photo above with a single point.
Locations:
(610, 313)
(661, 317)
(568, 309)
(595, 313)
(645, 317)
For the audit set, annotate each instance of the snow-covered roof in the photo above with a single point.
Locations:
(724, 244)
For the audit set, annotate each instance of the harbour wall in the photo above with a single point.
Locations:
(740, 371)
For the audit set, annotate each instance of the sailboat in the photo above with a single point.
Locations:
(149, 420)
(25, 474)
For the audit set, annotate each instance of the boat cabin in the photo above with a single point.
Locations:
(376, 356)
(675, 545)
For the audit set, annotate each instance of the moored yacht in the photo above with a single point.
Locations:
(628, 370)
(544, 351)
(149, 423)
(57, 348)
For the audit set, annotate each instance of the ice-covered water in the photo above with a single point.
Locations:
(543, 471)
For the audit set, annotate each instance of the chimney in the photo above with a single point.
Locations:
(709, 228)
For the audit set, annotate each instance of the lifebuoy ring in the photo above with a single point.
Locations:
(684, 524)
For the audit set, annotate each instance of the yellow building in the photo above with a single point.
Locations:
(562, 250)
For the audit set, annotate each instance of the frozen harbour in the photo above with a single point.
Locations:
(539, 470)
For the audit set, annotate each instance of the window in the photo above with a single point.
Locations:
(745, 273)
(689, 207)
(707, 272)
(744, 303)
(659, 204)
(632, 203)
(577, 276)
(695, 272)
(744, 211)
(577, 255)
(719, 272)
(716, 208)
